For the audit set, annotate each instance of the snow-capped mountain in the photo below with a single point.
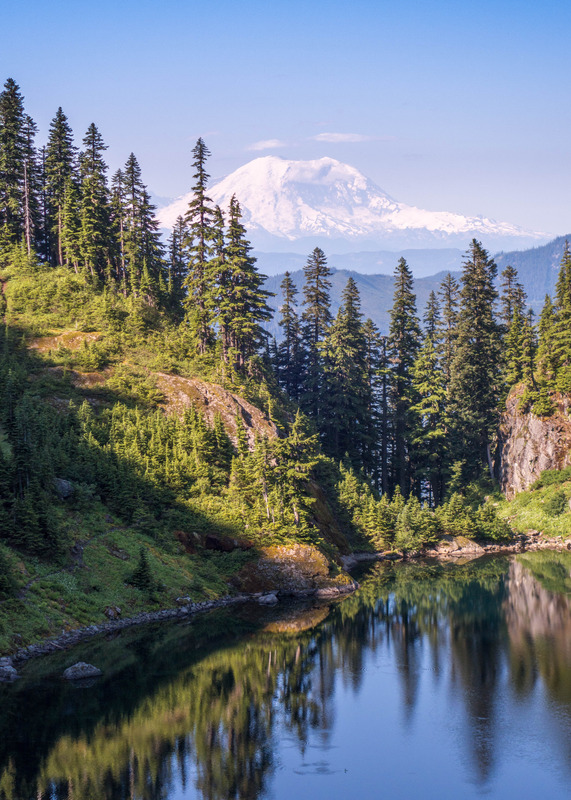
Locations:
(325, 201)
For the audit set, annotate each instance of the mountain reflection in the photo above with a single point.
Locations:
(192, 708)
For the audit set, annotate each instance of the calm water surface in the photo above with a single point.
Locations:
(433, 681)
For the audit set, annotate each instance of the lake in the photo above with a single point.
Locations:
(432, 681)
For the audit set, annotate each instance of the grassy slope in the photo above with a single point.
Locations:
(74, 356)
(530, 511)
(54, 598)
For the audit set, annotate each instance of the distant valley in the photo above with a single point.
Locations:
(537, 269)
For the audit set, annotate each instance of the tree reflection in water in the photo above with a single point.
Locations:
(196, 707)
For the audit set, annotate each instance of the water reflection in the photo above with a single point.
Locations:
(191, 711)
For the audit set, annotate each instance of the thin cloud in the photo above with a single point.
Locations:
(343, 137)
(267, 144)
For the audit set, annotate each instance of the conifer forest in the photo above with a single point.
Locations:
(395, 434)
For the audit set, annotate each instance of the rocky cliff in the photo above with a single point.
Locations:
(529, 444)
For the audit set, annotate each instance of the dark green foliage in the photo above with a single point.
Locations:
(448, 324)
(8, 582)
(551, 477)
(543, 405)
(199, 251)
(290, 354)
(61, 179)
(95, 210)
(345, 405)
(403, 347)
(474, 383)
(12, 160)
(142, 577)
(316, 319)
(242, 300)
(557, 503)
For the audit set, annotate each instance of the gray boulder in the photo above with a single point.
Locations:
(64, 489)
(7, 671)
(81, 671)
(268, 599)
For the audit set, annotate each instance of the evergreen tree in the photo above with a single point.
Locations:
(290, 351)
(12, 160)
(562, 323)
(373, 457)
(176, 265)
(514, 349)
(243, 301)
(429, 385)
(60, 169)
(404, 343)
(199, 283)
(512, 297)
(431, 317)
(32, 189)
(95, 239)
(475, 381)
(71, 225)
(344, 422)
(448, 324)
(316, 319)
(119, 225)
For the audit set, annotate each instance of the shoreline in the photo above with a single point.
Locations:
(70, 638)
(448, 549)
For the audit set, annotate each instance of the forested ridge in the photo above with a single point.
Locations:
(399, 431)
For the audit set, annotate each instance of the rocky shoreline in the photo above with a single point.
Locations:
(68, 639)
(452, 548)
(448, 549)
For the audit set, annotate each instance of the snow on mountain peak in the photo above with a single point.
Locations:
(326, 199)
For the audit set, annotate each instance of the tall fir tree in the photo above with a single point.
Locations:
(562, 323)
(290, 356)
(374, 458)
(95, 212)
(60, 168)
(430, 435)
(476, 375)
(449, 294)
(512, 296)
(316, 319)
(199, 282)
(32, 190)
(176, 266)
(12, 160)
(345, 408)
(431, 318)
(404, 343)
(245, 305)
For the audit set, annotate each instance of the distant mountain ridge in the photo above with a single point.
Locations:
(330, 204)
(537, 268)
(376, 293)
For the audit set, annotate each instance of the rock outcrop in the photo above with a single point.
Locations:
(296, 569)
(530, 444)
(210, 399)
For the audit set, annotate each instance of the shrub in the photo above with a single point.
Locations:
(552, 477)
(556, 504)
(142, 577)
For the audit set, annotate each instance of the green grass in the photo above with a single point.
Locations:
(68, 596)
(534, 510)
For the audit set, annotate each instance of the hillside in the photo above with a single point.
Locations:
(376, 291)
(136, 497)
(537, 268)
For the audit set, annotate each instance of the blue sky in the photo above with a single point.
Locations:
(451, 105)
